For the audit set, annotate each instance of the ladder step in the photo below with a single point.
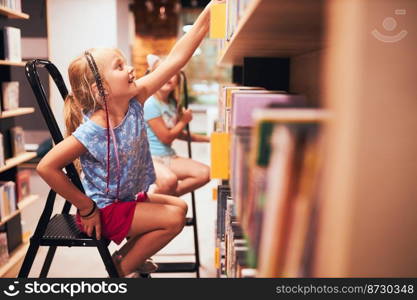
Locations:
(182, 267)
(189, 221)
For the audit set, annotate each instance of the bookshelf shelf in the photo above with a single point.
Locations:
(275, 28)
(16, 112)
(7, 270)
(27, 201)
(10, 13)
(14, 161)
(12, 63)
(21, 205)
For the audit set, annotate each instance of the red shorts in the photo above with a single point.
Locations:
(116, 218)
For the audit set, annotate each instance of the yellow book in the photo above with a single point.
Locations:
(219, 155)
(218, 21)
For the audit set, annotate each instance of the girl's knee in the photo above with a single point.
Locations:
(167, 184)
(176, 220)
(204, 174)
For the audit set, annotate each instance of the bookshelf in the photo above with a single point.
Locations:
(12, 63)
(365, 221)
(275, 28)
(10, 223)
(11, 268)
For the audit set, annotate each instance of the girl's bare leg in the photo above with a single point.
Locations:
(190, 173)
(153, 226)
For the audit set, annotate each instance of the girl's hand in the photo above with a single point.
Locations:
(187, 115)
(92, 223)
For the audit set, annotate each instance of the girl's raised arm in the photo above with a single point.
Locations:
(177, 58)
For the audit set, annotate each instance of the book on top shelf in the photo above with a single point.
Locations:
(10, 95)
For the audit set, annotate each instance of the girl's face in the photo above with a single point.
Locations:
(119, 77)
(170, 85)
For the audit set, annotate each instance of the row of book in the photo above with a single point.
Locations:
(9, 95)
(15, 5)
(226, 17)
(16, 140)
(10, 44)
(275, 150)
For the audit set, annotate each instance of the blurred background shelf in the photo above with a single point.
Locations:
(13, 14)
(14, 161)
(16, 112)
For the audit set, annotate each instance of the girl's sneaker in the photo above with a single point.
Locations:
(147, 267)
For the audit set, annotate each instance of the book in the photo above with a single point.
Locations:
(4, 253)
(2, 157)
(22, 184)
(274, 227)
(218, 21)
(11, 49)
(219, 155)
(10, 95)
(244, 103)
(17, 140)
(7, 198)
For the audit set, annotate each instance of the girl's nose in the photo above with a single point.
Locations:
(130, 69)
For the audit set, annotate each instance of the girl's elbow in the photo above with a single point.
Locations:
(40, 168)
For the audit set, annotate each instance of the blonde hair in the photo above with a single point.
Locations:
(83, 99)
(174, 95)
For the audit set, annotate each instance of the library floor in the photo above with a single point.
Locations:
(86, 262)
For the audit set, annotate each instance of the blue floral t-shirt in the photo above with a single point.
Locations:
(136, 167)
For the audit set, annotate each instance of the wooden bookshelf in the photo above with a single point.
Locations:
(12, 63)
(275, 28)
(10, 13)
(16, 112)
(9, 269)
(14, 161)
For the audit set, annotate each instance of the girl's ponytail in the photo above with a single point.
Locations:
(72, 114)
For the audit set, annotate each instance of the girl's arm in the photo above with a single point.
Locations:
(177, 58)
(194, 137)
(50, 169)
(166, 135)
